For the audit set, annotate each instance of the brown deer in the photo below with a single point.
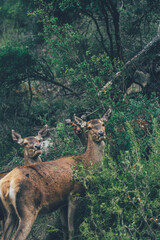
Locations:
(79, 126)
(46, 186)
(31, 152)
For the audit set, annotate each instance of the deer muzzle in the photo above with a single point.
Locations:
(38, 147)
(101, 133)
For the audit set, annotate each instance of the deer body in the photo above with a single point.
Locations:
(44, 187)
(1, 211)
(31, 154)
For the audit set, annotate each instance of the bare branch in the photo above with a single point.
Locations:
(152, 45)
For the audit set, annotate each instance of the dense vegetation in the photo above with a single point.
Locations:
(55, 59)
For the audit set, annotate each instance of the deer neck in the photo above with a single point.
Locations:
(29, 160)
(94, 152)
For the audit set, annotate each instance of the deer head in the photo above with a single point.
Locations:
(96, 130)
(78, 126)
(32, 145)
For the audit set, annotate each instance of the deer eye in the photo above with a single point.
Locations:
(25, 144)
(103, 124)
(39, 139)
(89, 128)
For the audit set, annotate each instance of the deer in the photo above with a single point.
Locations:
(78, 126)
(44, 187)
(32, 150)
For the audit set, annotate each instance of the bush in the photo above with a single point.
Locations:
(124, 199)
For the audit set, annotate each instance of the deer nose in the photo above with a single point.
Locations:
(38, 147)
(78, 131)
(101, 133)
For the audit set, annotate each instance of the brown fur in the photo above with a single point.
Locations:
(79, 129)
(47, 186)
(80, 132)
(31, 154)
(1, 211)
(31, 145)
(1, 206)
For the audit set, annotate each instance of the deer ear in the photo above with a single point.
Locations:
(43, 132)
(17, 137)
(106, 115)
(80, 121)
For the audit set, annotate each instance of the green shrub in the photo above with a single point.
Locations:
(63, 143)
(123, 199)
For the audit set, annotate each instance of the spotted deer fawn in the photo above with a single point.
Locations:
(32, 150)
(46, 186)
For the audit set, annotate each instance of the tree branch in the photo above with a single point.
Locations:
(153, 46)
(105, 14)
(98, 29)
(46, 79)
(31, 94)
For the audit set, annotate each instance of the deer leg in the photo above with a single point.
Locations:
(25, 224)
(1, 226)
(64, 221)
(3, 217)
(72, 205)
(8, 226)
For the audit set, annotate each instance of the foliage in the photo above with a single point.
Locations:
(131, 110)
(55, 58)
(13, 14)
(13, 64)
(123, 199)
(114, 24)
(63, 143)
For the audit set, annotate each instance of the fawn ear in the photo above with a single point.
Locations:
(17, 137)
(43, 132)
(80, 121)
(106, 115)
